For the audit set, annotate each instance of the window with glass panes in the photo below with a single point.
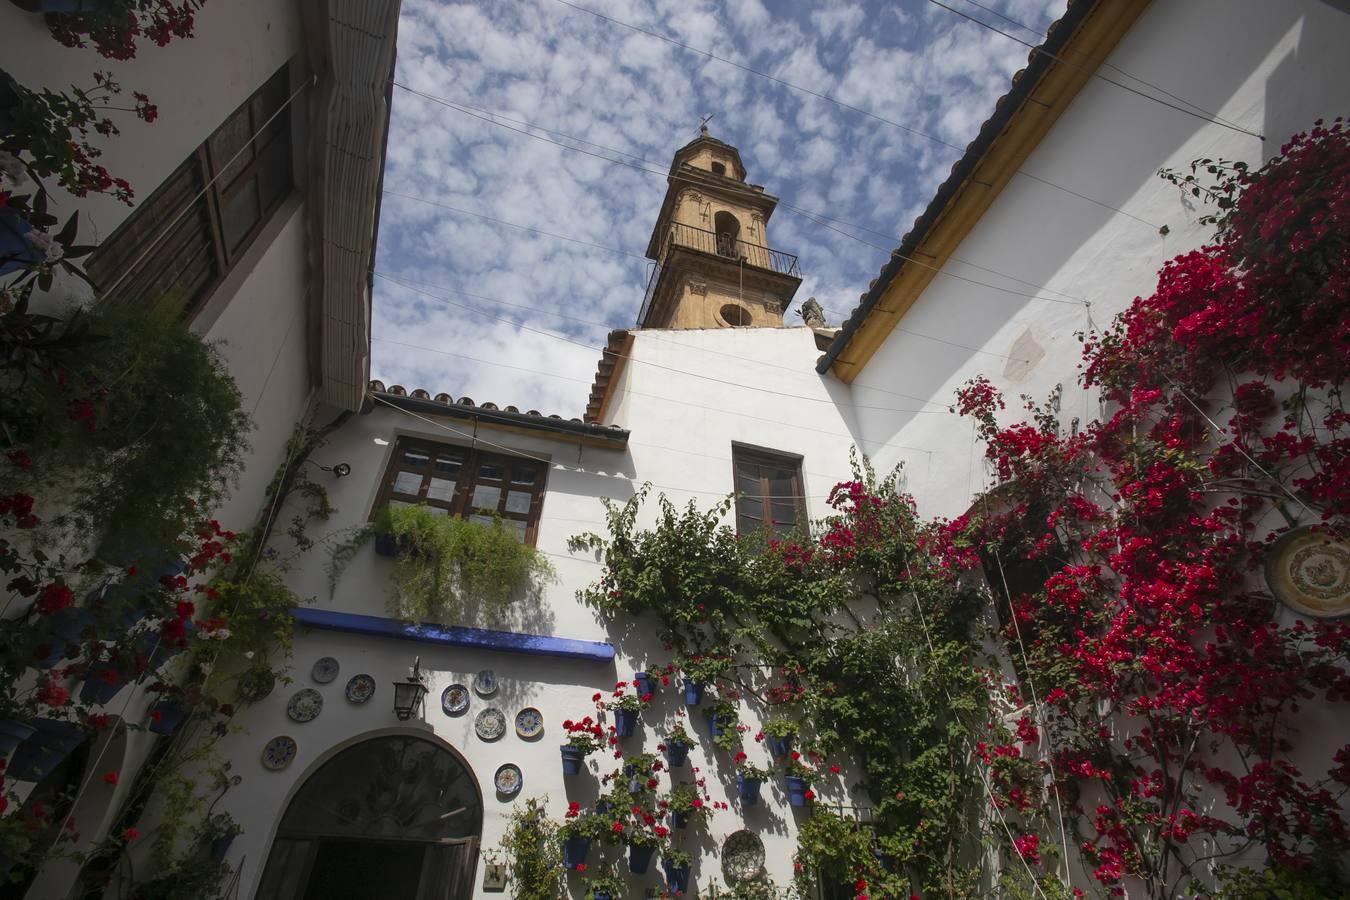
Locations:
(768, 490)
(459, 481)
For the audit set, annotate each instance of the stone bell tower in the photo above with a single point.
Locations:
(714, 268)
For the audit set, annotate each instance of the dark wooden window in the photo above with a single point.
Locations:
(768, 491)
(181, 241)
(458, 481)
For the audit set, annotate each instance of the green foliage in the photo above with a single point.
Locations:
(448, 569)
(533, 852)
(1280, 883)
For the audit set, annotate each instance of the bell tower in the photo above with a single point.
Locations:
(714, 267)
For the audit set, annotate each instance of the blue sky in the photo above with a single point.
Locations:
(541, 62)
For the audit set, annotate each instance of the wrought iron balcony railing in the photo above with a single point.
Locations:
(724, 245)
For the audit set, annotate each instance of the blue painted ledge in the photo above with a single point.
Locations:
(476, 638)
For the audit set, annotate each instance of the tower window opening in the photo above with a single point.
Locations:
(719, 168)
(734, 315)
(728, 229)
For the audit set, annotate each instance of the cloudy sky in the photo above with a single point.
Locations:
(470, 306)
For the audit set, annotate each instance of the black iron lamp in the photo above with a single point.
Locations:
(408, 695)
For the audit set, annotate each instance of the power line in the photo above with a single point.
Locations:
(814, 217)
(562, 337)
(848, 106)
(1204, 116)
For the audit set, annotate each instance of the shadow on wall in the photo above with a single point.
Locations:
(1109, 163)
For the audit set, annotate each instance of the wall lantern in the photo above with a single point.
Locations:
(408, 694)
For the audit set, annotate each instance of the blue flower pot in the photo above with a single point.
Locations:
(71, 623)
(625, 720)
(99, 688)
(601, 807)
(748, 789)
(575, 851)
(677, 879)
(677, 754)
(572, 759)
(12, 734)
(36, 757)
(693, 693)
(714, 729)
(639, 858)
(779, 746)
(48, 654)
(796, 789)
(386, 545)
(15, 251)
(679, 819)
(600, 895)
(171, 715)
(642, 682)
(221, 846)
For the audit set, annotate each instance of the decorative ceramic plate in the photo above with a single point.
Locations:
(508, 779)
(455, 700)
(256, 684)
(490, 724)
(325, 670)
(1309, 571)
(742, 857)
(278, 753)
(485, 683)
(529, 723)
(305, 705)
(360, 688)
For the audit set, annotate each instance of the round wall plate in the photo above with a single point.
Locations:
(1308, 570)
(742, 857)
(360, 688)
(278, 753)
(529, 723)
(508, 780)
(455, 700)
(490, 724)
(305, 705)
(485, 683)
(325, 670)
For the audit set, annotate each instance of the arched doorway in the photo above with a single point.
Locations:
(728, 229)
(396, 817)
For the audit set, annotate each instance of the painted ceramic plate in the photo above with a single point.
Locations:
(742, 857)
(490, 724)
(256, 684)
(305, 705)
(360, 688)
(1309, 571)
(508, 779)
(455, 700)
(325, 670)
(485, 683)
(278, 753)
(529, 722)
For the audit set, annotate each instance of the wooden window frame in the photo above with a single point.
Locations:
(460, 503)
(203, 208)
(745, 455)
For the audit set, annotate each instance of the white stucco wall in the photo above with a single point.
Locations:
(1271, 68)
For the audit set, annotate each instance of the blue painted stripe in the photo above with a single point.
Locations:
(455, 636)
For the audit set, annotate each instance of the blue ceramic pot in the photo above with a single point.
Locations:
(15, 251)
(601, 807)
(642, 682)
(36, 757)
(386, 545)
(677, 754)
(71, 623)
(575, 851)
(600, 895)
(572, 759)
(779, 746)
(102, 683)
(748, 788)
(171, 715)
(49, 653)
(677, 879)
(693, 693)
(679, 819)
(796, 789)
(714, 729)
(639, 858)
(221, 846)
(625, 720)
(12, 734)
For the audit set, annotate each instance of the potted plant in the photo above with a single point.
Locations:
(642, 845)
(36, 757)
(699, 672)
(797, 780)
(722, 718)
(578, 832)
(627, 708)
(584, 737)
(677, 745)
(646, 682)
(167, 714)
(778, 734)
(685, 805)
(217, 833)
(749, 779)
(602, 885)
(676, 863)
(641, 771)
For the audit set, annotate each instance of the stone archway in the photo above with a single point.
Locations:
(397, 816)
